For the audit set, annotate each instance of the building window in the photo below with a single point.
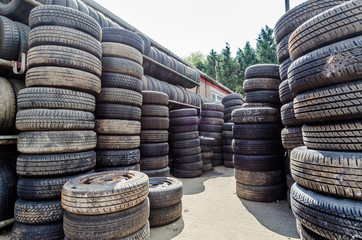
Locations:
(216, 97)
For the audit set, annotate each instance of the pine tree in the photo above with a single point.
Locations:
(211, 63)
(266, 48)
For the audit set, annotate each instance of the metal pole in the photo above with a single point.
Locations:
(286, 5)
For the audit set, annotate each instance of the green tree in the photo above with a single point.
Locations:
(197, 59)
(212, 60)
(227, 68)
(266, 48)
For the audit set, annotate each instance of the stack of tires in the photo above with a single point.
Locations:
(8, 180)
(165, 200)
(154, 134)
(211, 125)
(231, 102)
(118, 109)
(207, 152)
(185, 143)
(261, 86)
(55, 117)
(227, 138)
(325, 76)
(107, 205)
(258, 154)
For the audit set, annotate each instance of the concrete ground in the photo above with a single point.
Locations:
(212, 210)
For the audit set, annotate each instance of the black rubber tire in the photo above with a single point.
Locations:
(212, 114)
(61, 77)
(210, 128)
(154, 149)
(212, 121)
(64, 36)
(7, 191)
(8, 106)
(154, 97)
(182, 121)
(212, 107)
(54, 119)
(228, 164)
(186, 174)
(118, 142)
(117, 80)
(229, 110)
(206, 155)
(166, 215)
(55, 164)
(332, 64)
(185, 151)
(147, 44)
(285, 94)
(290, 181)
(292, 137)
(184, 136)
(207, 167)
(228, 134)
(134, 167)
(66, 17)
(259, 178)
(306, 166)
(256, 147)
(119, 35)
(60, 56)
(120, 96)
(341, 136)
(256, 115)
(122, 66)
(48, 142)
(34, 213)
(329, 217)
(206, 141)
(117, 127)
(262, 71)
(154, 136)
(151, 110)
(215, 135)
(228, 157)
(232, 96)
(261, 193)
(183, 128)
(337, 102)
(155, 123)
(283, 50)
(40, 189)
(256, 131)
(255, 84)
(262, 96)
(9, 39)
(343, 22)
(257, 105)
(52, 231)
(288, 117)
(187, 158)
(119, 224)
(185, 112)
(88, 195)
(191, 143)
(188, 166)
(257, 163)
(163, 172)
(117, 111)
(306, 234)
(153, 163)
(300, 14)
(234, 102)
(164, 192)
(55, 98)
(283, 69)
(114, 158)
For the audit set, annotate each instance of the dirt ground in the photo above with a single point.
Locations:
(212, 210)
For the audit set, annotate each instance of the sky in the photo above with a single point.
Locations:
(190, 26)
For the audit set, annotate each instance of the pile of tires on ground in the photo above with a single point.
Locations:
(325, 79)
(106, 205)
(118, 110)
(154, 134)
(231, 102)
(207, 152)
(211, 125)
(55, 116)
(185, 143)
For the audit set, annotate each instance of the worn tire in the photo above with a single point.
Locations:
(255, 84)
(122, 66)
(263, 96)
(329, 217)
(186, 174)
(120, 96)
(154, 136)
(55, 164)
(164, 192)
(52, 231)
(153, 163)
(118, 142)
(181, 113)
(285, 94)
(119, 35)
(256, 115)
(257, 162)
(7, 191)
(262, 71)
(117, 80)
(292, 137)
(111, 49)
(48, 142)
(7, 106)
(307, 166)
(150, 110)
(283, 50)
(259, 178)
(256, 131)
(256, 147)
(213, 107)
(154, 149)
(114, 158)
(283, 69)
(163, 172)
(261, 193)
(288, 116)
(117, 111)
(154, 97)
(9, 39)
(155, 123)
(166, 215)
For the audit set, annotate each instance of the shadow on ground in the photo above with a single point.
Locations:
(275, 216)
(169, 231)
(196, 185)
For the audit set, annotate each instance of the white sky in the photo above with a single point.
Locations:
(199, 25)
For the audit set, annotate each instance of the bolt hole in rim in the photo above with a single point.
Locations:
(106, 178)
